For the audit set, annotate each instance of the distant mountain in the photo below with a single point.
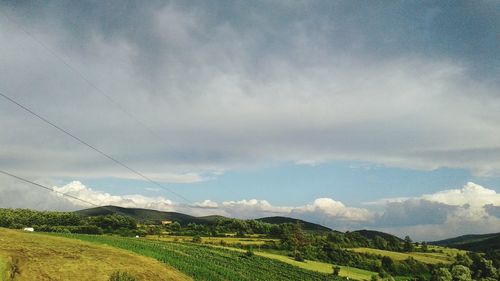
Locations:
(370, 234)
(147, 214)
(305, 225)
(472, 242)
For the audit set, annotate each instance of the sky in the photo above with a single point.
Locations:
(379, 115)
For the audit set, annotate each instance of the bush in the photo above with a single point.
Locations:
(122, 276)
(336, 270)
(298, 256)
(196, 239)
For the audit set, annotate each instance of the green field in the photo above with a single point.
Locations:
(429, 258)
(323, 267)
(42, 257)
(204, 262)
(352, 273)
(231, 241)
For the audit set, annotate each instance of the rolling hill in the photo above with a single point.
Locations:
(146, 214)
(472, 242)
(305, 225)
(154, 215)
(370, 234)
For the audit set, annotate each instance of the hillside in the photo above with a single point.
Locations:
(305, 225)
(370, 234)
(154, 215)
(146, 214)
(472, 242)
(42, 257)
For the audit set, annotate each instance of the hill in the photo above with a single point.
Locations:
(370, 234)
(146, 214)
(472, 242)
(154, 215)
(43, 257)
(305, 225)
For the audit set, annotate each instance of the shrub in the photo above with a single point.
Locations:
(122, 276)
(196, 239)
(298, 256)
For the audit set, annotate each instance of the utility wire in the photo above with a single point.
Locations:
(84, 78)
(47, 188)
(92, 147)
(62, 193)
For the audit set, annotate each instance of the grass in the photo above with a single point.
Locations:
(244, 241)
(352, 273)
(205, 262)
(43, 257)
(429, 258)
(3, 269)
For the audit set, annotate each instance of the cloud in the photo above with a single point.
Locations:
(212, 92)
(428, 217)
(451, 212)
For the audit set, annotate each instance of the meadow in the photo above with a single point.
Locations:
(230, 241)
(44, 257)
(204, 262)
(447, 257)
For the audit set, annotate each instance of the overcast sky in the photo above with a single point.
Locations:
(348, 113)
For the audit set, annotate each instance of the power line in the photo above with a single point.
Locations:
(92, 147)
(47, 188)
(62, 193)
(84, 78)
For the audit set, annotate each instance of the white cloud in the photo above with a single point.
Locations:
(442, 214)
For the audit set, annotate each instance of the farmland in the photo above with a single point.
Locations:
(43, 257)
(429, 258)
(323, 267)
(230, 241)
(203, 262)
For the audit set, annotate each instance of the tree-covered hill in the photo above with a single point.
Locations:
(473, 242)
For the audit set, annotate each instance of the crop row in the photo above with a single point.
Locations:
(208, 263)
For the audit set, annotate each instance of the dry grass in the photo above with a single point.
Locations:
(43, 257)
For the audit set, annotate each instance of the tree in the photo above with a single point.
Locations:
(425, 247)
(387, 264)
(336, 270)
(196, 239)
(441, 274)
(408, 244)
(461, 273)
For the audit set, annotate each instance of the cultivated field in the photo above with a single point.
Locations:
(429, 258)
(43, 257)
(230, 241)
(204, 262)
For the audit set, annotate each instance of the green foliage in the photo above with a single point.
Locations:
(208, 263)
(461, 273)
(441, 274)
(196, 239)
(122, 276)
(336, 270)
(66, 222)
(408, 244)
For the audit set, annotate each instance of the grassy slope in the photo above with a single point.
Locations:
(352, 273)
(44, 257)
(3, 269)
(204, 262)
(429, 258)
(216, 240)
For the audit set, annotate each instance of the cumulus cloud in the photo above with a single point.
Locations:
(428, 217)
(470, 209)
